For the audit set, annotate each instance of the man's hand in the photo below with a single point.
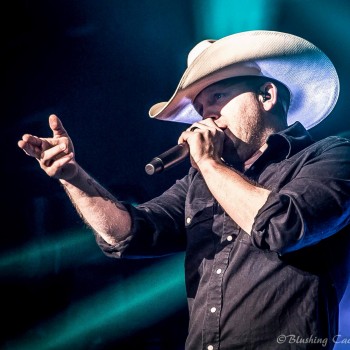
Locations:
(206, 141)
(56, 154)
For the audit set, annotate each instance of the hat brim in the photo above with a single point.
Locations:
(303, 68)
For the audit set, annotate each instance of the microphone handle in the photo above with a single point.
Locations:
(169, 158)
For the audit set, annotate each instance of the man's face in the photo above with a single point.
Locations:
(235, 109)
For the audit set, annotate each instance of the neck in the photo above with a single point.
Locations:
(244, 165)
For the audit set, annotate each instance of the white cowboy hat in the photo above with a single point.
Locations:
(303, 68)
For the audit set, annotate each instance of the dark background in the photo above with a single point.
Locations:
(100, 66)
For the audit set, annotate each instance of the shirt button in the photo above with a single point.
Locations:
(210, 347)
(218, 271)
(213, 309)
(229, 238)
(188, 220)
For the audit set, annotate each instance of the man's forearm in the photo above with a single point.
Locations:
(98, 208)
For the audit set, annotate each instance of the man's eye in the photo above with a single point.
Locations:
(218, 96)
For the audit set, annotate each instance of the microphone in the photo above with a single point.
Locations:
(169, 158)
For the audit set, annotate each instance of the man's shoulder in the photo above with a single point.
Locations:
(332, 142)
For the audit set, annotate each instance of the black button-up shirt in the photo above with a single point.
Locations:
(279, 286)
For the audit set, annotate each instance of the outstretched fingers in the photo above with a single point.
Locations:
(31, 145)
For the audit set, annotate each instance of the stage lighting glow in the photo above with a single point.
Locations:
(116, 312)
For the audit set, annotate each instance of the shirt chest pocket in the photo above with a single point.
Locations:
(198, 211)
(199, 216)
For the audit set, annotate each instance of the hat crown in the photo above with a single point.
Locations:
(197, 50)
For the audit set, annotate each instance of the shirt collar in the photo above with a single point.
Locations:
(290, 140)
(279, 146)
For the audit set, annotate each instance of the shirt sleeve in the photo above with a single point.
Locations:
(312, 206)
(157, 226)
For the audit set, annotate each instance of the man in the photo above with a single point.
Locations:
(262, 212)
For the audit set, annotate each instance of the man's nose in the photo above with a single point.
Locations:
(211, 114)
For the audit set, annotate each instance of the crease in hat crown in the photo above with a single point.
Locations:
(298, 64)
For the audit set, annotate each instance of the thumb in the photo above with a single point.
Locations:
(57, 126)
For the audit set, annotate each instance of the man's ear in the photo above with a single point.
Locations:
(268, 95)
